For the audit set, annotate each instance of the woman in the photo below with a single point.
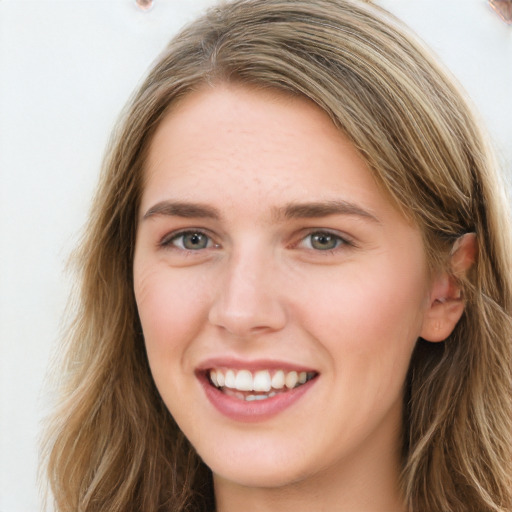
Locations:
(296, 283)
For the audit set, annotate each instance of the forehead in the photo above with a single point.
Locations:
(230, 144)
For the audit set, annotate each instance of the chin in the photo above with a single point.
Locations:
(268, 476)
(262, 467)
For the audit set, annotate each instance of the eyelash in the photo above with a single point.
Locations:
(168, 240)
(341, 242)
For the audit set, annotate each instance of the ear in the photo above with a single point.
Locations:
(446, 304)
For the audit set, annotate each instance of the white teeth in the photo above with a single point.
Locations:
(278, 380)
(251, 398)
(291, 380)
(243, 381)
(261, 381)
(230, 381)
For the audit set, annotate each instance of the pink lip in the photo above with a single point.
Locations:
(253, 411)
(255, 365)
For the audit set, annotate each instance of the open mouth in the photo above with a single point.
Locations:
(258, 385)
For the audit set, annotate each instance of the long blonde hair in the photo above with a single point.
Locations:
(112, 445)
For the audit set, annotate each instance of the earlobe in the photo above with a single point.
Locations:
(446, 303)
(441, 318)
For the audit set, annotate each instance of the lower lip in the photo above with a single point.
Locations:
(256, 410)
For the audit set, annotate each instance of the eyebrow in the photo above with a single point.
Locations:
(182, 209)
(290, 211)
(323, 209)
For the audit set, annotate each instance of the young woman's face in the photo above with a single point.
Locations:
(280, 293)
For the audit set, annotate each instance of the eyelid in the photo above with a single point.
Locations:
(346, 240)
(166, 242)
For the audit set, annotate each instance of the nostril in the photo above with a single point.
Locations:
(242, 319)
(242, 326)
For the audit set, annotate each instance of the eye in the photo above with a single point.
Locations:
(189, 241)
(323, 241)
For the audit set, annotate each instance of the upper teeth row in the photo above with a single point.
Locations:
(244, 380)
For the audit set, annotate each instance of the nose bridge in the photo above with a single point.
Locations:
(246, 300)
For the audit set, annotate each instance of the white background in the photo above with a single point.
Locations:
(66, 69)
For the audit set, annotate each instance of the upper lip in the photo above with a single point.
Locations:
(252, 364)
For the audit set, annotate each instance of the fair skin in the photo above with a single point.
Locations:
(264, 244)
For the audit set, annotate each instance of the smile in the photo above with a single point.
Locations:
(260, 385)
(254, 391)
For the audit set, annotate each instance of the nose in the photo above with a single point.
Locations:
(247, 300)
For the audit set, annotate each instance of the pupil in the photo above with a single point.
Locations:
(324, 241)
(195, 241)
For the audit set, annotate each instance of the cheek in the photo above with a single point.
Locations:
(361, 302)
(172, 307)
(171, 310)
(367, 321)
